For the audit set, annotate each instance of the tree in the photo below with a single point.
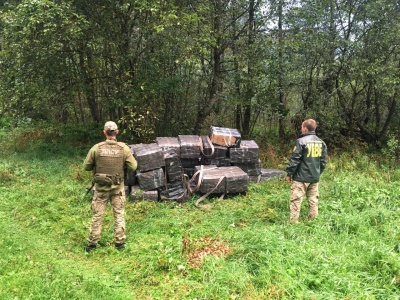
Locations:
(174, 67)
(39, 38)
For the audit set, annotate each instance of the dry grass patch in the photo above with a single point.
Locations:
(197, 250)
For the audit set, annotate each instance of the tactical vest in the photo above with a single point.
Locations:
(110, 159)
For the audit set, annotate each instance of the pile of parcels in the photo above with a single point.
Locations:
(175, 167)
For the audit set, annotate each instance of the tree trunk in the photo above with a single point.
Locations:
(205, 110)
(89, 86)
(281, 69)
(250, 75)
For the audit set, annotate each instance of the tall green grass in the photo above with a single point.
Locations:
(351, 251)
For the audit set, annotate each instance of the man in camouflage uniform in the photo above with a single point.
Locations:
(306, 164)
(107, 160)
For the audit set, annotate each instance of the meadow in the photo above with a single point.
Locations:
(241, 248)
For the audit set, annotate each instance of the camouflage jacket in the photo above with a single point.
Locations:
(92, 159)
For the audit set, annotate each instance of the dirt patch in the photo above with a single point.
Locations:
(197, 250)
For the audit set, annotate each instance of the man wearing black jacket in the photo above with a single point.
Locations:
(305, 167)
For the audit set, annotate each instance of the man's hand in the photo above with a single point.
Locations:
(289, 179)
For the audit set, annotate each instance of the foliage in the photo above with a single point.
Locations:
(346, 77)
(350, 251)
(138, 125)
(38, 40)
(46, 140)
(244, 64)
(391, 150)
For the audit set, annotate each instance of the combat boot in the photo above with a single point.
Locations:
(89, 248)
(120, 247)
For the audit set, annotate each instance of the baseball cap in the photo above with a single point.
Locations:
(110, 126)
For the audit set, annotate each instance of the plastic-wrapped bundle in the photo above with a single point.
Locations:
(166, 143)
(246, 153)
(173, 191)
(190, 146)
(209, 179)
(130, 177)
(213, 154)
(151, 180)
(251, 168)
(137, 194)
(204, 167)
(189, 172)
(219, 162)
(190, 162)
(267, 174)
(173, 166)
(228, 137)
(151, 195)
(212, 151)
(236, 179)
(148, 156)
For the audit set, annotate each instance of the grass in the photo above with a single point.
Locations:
(352, 251)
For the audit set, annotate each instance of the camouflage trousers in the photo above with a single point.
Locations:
(297, 191)
(99, 204)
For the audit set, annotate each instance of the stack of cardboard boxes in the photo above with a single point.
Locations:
(174, 167)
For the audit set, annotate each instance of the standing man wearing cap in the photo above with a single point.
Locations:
(305, 167)
(107, 161)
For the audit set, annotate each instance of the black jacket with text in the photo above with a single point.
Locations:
(308, 159)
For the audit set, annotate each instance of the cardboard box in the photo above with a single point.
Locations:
(173, 166)
(237, 180)
(148, 156)
(190, 146)
(151, 180)
(166, 143)
(137, 194)
(251, 168)
(210, 178)
(173, 191)
(219, 162)
(209, 150)
(248, 152)
(268, 174)
(227, 137)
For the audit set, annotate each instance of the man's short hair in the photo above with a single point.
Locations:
(112, 133)
(310, 124)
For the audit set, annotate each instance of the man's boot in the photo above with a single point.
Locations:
(120, 247)
(90, 247)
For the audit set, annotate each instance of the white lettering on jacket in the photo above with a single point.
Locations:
(109, 152)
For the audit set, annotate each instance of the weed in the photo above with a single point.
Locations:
(242, 248)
